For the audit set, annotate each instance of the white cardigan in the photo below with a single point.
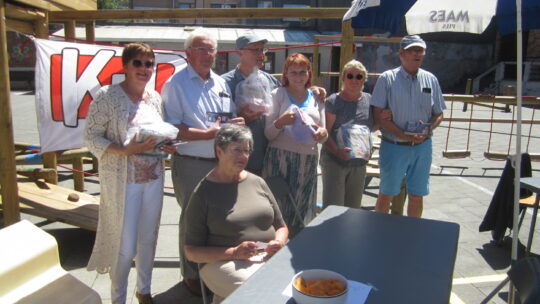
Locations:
(106, 123)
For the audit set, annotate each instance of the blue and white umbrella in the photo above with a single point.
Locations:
(428, 16)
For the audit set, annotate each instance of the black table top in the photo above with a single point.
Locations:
(531, 183)
(406, 260)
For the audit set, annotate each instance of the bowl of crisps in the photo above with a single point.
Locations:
(319, 286)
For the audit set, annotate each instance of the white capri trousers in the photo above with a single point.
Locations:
(223, 277)
(142, 212)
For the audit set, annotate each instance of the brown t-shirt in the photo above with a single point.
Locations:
(226, 214)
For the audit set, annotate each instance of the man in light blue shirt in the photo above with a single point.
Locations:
(414, 97)
(196, 100)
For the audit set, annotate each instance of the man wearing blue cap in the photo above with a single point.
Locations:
(414, 97)
(252, 49)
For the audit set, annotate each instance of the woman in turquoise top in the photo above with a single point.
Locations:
(294, 127)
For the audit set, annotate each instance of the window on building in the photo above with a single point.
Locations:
(222, 5)
(265, 4)
(222, 63)
(269, 63)
(184, 5)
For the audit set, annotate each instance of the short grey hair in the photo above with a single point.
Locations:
(355, 65)
(200, 32)
(230, 133)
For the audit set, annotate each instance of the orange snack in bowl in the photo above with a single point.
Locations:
(335, 287)
(320, 287)
(300, 284)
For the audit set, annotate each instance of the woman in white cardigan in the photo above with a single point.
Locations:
(294, 127)
(131, 185)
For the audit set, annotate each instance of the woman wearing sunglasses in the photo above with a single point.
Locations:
(131, 184)
(343, 172)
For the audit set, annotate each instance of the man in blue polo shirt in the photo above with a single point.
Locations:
(414, 97)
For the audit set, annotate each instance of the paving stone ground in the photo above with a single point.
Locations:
(461, 190)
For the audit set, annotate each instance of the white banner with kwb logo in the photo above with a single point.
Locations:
(68, 76)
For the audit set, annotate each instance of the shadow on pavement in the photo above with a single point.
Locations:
(498, 255)
(177, 294)
(74, 246)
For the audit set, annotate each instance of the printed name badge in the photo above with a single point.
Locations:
(213, 116)
(225, 101)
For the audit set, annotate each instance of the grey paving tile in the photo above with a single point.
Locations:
(468, 293)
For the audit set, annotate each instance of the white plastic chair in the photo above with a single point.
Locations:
(30, 270)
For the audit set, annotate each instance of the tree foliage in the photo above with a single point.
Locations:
(113, 4)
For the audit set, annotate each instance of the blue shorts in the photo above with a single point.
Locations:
(413, 162)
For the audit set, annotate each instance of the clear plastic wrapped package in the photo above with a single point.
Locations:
(151, 124)
(254, 93)
(356, 137)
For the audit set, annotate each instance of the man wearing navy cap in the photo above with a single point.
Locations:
(252, 49)
(414, 97)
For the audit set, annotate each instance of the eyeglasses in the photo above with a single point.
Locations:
(298, 73)
(204, 50)
(257, 50)
(240, 151)
(147, 64)
(357, 76)
(415, 49)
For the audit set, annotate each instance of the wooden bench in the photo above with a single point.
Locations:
(51, 202)
(373, 172)
(30, 271)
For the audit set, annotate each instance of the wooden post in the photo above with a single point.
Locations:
(8, 176)
(95, 164)
(347, 40)
(78, 177)
(90, 31)
(69, 30)
(509, 90)
(49, 161)
(41, 27)
(316, 74)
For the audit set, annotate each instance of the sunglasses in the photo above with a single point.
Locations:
(147, 64)
(357, 76)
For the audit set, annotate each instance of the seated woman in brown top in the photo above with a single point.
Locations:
(233, 223)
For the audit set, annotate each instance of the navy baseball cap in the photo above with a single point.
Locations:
(412, 40)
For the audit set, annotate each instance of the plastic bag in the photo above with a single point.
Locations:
(301, 129)
(254, 92)
(151, 124)
(356, 137)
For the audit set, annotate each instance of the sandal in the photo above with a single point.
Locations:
(144, 298)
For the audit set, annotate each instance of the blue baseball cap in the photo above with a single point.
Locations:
(248, 38)
(412, 40)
